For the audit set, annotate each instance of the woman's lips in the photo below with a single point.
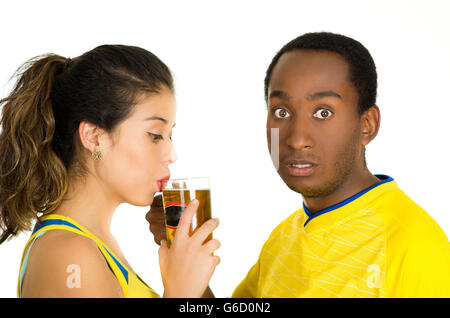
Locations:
(302, 170)
(161, 182)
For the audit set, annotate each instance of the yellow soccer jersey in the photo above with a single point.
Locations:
(378, 243)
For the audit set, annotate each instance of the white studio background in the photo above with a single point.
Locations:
(219, 52)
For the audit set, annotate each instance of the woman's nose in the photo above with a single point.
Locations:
(173, 156)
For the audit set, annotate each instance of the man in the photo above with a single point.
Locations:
(357, 234)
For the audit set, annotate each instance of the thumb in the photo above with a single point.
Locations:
(184, 224)
(162, 253)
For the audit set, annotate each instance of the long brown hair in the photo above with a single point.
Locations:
(39, 144)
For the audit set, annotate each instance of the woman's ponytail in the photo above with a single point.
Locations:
(33, 179)
(40, 149)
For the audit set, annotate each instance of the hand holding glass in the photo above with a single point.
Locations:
(177, 194)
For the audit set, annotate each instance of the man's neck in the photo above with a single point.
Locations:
(350, 187)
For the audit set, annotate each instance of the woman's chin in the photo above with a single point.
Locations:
(148, 200)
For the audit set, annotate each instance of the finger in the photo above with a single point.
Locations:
(157, 201)
(158, 228)
(205, 230)
(155, 213)
(159, 238)
(163, 248)
(152, 217)
(157, 225)
(211, 246)
(162, 252)
(155, 216)
(185, 220)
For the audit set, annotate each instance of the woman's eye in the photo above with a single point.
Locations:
(323, 113)
(156, 137)
(281, 113)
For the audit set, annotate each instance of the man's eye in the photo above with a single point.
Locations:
(281, 113)
(323, 113)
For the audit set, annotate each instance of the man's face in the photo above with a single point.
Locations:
(315, 108)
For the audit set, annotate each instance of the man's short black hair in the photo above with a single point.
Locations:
(362, 71)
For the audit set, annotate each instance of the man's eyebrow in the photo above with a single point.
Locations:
(318, 95)
(313, 96)
(158, 118)
(280, 94)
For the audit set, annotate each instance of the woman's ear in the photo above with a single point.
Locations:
(89, 136)
(370, 124)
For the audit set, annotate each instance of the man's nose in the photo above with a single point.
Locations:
(300, 134)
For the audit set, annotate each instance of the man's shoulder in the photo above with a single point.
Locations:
(405, 215)
(417, 249)
(409, 227)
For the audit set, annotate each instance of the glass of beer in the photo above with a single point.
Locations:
(177, 193)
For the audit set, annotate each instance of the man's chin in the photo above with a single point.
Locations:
(310, 191)
(307, 192)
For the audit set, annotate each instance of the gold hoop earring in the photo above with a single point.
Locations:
(96, 155)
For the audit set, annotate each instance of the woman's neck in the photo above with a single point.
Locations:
(90, 203)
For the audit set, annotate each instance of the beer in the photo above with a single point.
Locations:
(175, 201)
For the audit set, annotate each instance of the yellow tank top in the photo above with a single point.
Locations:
(132, 285)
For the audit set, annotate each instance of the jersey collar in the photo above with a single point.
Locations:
(384, 179)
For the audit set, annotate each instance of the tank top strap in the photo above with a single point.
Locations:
(60, 222)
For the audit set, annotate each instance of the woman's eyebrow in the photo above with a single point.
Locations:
(158, 118)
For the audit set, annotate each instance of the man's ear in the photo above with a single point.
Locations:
(370, 123)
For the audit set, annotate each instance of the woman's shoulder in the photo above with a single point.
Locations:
(61, 245)
(65, 264)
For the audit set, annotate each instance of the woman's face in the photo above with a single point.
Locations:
(141, 150)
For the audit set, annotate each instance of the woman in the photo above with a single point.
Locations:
(80, 136)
